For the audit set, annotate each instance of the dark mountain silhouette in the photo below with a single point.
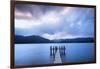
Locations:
(75, 40)
(30, 39)
(37, 39)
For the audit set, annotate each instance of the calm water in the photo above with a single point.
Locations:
(27, 54)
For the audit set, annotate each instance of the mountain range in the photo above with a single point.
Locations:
(18, 39)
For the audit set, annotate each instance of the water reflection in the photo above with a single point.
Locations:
(60, 49)
(69, 53)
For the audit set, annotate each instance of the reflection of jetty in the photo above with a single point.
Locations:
(57, 53)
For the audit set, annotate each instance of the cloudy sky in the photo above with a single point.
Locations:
(54, 22)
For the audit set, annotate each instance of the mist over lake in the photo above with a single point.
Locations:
(27, 54)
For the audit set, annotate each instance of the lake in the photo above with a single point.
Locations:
(33, 54)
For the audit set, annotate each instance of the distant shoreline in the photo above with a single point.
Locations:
(39, 40)
(51, 42)
(54, 43)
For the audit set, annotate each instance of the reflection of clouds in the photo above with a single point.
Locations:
(54, 22)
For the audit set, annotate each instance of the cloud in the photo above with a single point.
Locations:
(24, 15)
(53, 22)
(27, 20)
(26, 24)
(33, 10)
(61, 35)
(56, 35)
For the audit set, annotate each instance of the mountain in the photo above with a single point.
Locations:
(30, 39)
(75, 40)
(38, 39)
